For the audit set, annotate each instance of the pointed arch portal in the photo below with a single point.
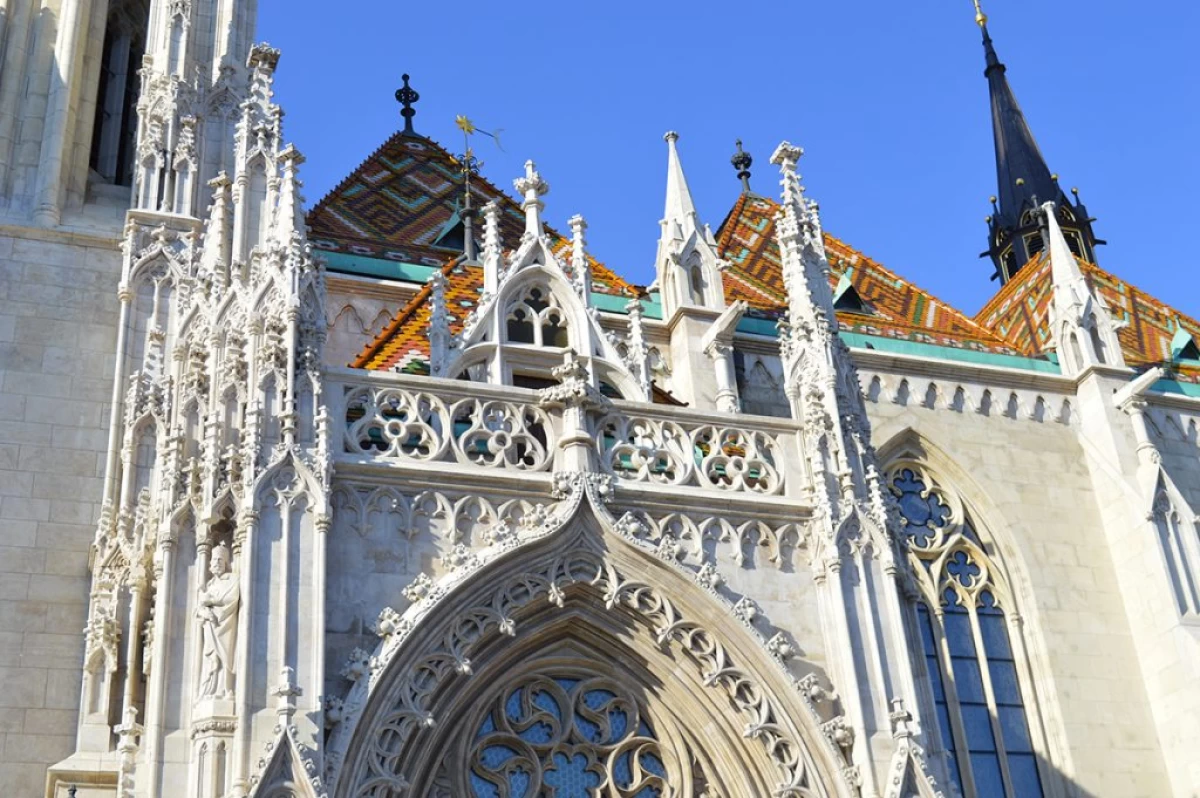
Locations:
(579, 664)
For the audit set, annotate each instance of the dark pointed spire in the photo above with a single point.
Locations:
(1024, 180)
(406, 96)
(742, 162)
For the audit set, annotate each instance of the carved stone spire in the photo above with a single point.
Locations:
(290, 219)
(802, 247)
(680, 209)
(637, 356)
(1081, 326)
(689, 271)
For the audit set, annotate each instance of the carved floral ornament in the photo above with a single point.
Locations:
(566, 604)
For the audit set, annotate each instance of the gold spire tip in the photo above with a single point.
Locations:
(980, 17)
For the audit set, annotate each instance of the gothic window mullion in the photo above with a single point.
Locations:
(1037, 732)
(993, 709)
(950, 721)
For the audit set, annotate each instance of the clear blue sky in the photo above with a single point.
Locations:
(887, 98)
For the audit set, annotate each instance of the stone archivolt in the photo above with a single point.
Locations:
(534, 595)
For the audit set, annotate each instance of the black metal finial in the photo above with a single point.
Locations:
(71, 791)
(742, 161)
(406, 96)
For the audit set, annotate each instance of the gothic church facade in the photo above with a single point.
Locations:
(409, 495)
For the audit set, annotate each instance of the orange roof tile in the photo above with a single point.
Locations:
(899, 308)
(1020, 313)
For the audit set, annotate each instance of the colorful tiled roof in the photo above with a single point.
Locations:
(403, 198)
(896, 308)
(1020, 313)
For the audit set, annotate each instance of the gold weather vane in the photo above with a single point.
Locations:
(469, 129)
(980, 17)
(470, 165)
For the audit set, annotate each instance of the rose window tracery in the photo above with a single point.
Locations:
(566, 736)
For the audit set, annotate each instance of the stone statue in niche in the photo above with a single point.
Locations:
(218, 614)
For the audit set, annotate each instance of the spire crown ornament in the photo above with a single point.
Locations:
(407, 96)
(742, 161)
(981, 18)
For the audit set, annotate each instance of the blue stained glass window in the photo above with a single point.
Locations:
(573, 776)
(555, 738)
(922, 514)
(1015, 730)
(972, 672)
(988, 781)
(1023, 770)
(978, 723)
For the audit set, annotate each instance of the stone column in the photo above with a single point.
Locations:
(63, 89)
(727, 393)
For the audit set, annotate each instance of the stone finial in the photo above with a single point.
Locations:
(638, 353)
(286, 692)
(581, 273)
(786, 157)
(407, 96)
(263, 56)
(493, 252)
(533, 188)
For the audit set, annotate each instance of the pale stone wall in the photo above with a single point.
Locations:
(1029, 485)
(357, 309)
(1171, 653)
(58, 320)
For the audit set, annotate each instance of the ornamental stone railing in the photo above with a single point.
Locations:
(404, 419)
(681, 451)
(410, 422)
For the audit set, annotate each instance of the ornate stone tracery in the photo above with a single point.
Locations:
(570, 730)
(376, 739)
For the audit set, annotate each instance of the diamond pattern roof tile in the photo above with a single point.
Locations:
(898, 308)
(1020, 313)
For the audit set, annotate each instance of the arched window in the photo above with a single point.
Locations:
(1097, 341)
(696, 284)
(1179, 542)
(1034, 244)
(970, 643)
(536, 318)
(114, 136)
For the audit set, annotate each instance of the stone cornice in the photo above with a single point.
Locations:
(61, 236)
(911, 365)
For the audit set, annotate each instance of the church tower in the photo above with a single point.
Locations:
(1024, 182)
(97, 99)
